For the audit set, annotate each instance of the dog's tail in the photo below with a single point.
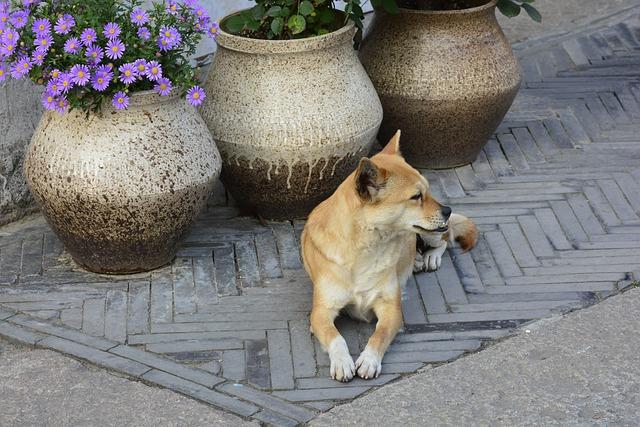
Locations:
(463, 231)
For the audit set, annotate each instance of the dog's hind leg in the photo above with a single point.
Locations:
(324, 328)
(389, 314)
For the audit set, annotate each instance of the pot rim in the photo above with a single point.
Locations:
(489, 5)
(262, 46)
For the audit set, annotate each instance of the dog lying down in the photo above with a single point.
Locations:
(359, 247)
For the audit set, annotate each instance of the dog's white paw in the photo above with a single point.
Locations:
(342, 366)
(369, 364)
(433, 257)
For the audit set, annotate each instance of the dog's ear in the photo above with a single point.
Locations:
(370, 179)
(393, 147)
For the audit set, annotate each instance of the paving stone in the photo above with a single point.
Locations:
(200, 392)
(115, 317)
(138, 308)
(195, 345)
(170, 337)
(271, 418)
(412, 309)
(341, 393)
(280, 359)
(304, 364)
(18, 334)
(98, 357)
(268, 256)
(184, 289)
(248, 267)
(204, 281)
(258, 364)
(47, 328)
(519, 245)
(225, 271)
(191, 374)
(4, 314)
(235, 364)
(161, 298)
(266, 400)
(431, 293)
(93, 317)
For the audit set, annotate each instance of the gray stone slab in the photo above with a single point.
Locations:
(161, 298)
(304, 363)
(258, 364)
(200, 393)
(69, 334)
(280, 360)
(225, 268)
(514, 154)
(503, 257)
(205, 281)
(272, 418)
(342, 393)
(401, 367)
(196, 345)
(169, 337)
(431, 293)
(184, 288)
(247, 259)
(138, 308)
(93, 314)
(95, 356)
(4, 314)
(326, 382)
(115, 318)
(535, 236)
(412, 308)
(617, 200)
(427, 346)
(235, 364)
(268, 256)
(568, 221)
(192, 374)
(519, 245)
(21, 335)
(552, 229)
(266, 400)
(217, 326)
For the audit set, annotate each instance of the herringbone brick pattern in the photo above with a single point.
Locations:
(555, 194)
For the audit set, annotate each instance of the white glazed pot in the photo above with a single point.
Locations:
(121, 189)
(291, 118)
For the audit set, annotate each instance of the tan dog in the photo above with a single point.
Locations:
(359, 247)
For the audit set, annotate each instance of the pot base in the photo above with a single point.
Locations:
(136, 270)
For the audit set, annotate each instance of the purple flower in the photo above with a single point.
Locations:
(80, 75)
(3, 72)
(95, 54)
(139, 17)
(169, 38)
(141, 67)
(7, 49)
(214, 30)
(154, 71)
(49, 101)
(172, 7)
(115, 49)
(29, 3)
(120, 101)
(53, 87)
(37, 58)
(144, 33)
(4, 19)
(128, 73)
(201, 13)
(21, 67)
(64, 24)
(163, 86)
(10, 36)
(19, 18)
(111, 30)
(72, 45)
(88, 36)
(196, 96)
(55, 74)
(43, 42)
(65, 83)
(102, 78)
(41, 26)
(63, 105)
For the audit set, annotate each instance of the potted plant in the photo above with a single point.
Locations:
(121, 162)
(290, 106)
(445, 73)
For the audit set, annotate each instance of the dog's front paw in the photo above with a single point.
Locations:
(433, 257)
(369, 364)
(418, 263)
(342, 367)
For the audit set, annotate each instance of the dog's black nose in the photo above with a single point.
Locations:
(446, 212)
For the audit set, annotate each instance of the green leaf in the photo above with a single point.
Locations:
(235, 24)
(297, 24)
(253, 25)
(532, 12)
(257, 12)
(277, 25)
(274, 11)
(325, 16)
(305, 8)
(508, 8)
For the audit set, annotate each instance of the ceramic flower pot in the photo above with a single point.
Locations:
(291, 118)
(445, 77)
(121, 189)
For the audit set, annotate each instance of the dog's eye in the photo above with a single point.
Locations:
(417, 197)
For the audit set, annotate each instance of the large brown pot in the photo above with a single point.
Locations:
(121, 189)
(445, 77)
(292, 118)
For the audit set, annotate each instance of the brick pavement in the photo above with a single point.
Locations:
(555, 194)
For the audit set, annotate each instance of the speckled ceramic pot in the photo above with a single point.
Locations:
(291, 118)
(446, 78)
(121, 189)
